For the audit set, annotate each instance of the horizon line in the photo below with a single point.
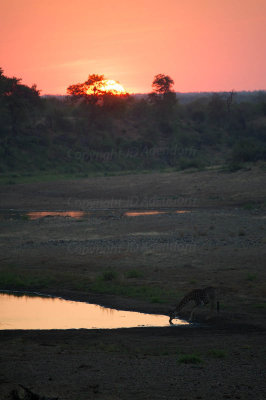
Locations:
(183, 93)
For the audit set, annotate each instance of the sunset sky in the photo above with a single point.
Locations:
(204, 45)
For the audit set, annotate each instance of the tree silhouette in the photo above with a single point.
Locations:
(94, 91)
(217, 108)
(164, 101)
(162, 84)
(18, 103)
(162, 91)
(90, 90)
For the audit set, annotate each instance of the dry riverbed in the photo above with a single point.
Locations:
(142, 263)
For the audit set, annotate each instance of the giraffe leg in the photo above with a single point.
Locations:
(211, 301)
(212, 309)
(212, 306)
(192, 312)
(172, 316)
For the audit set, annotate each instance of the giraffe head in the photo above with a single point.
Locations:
(172, 315)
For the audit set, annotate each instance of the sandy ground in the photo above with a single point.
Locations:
(221, 242)
(136, 363)
(180, 189)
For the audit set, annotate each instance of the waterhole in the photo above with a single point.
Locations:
(26, 311)
(152, 212)
(34, 215)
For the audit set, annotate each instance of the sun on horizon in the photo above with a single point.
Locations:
(107, 86)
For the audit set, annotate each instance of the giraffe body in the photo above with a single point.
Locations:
(199, 297)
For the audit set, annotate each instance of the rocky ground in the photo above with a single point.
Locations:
(145, 363)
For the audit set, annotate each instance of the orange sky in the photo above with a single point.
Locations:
(204, 45)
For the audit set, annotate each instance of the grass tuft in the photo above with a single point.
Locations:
(251, 277)
(134, 273)
(12, 280)
(216, 353)
(108, 275)
(149, 293)
(190, 359)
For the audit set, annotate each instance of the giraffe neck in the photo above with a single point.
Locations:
(182, 303)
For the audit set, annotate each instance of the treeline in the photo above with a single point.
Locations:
(76, 135)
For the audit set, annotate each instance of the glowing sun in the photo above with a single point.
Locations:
(107, 86)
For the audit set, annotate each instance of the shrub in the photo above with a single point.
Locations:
(109, 275)
(190, 359)
(248, 150)
(216, 353)
(134, 273)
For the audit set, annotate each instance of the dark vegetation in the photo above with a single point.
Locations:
(79, 135)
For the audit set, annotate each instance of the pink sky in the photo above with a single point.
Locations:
(204, 45)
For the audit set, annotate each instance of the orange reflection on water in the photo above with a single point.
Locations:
(26, 312)
(154, 212)
(41, 214)
(137, 213)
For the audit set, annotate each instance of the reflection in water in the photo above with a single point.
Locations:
(154, 212)
(137, 213)
(41, 214)
(27, 312)
(34, 215)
